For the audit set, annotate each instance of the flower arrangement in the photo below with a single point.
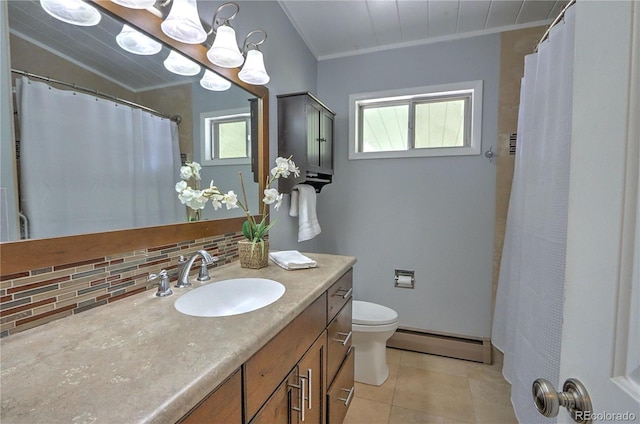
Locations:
(197, 199)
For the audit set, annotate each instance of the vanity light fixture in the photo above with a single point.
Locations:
(136, 42)
(183, 23)
(75, 12)
(135, 4)
(180, 65)
(225, 52)
(253, 71)
(214, 82)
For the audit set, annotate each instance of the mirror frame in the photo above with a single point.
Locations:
(25, 255)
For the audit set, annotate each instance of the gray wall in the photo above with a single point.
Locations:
(433, 215)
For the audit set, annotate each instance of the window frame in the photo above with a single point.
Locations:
(209, 146)
(413, 96)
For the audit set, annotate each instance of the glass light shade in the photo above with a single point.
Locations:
(137, 43)
(253, 71)
(135, 4)
(75, 12)
(214, 82)
(180, 65)
(183, 23)
(224, 51)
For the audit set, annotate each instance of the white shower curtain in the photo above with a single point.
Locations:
(529, 302)
(90, 165)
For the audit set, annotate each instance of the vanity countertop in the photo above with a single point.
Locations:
(139, 359)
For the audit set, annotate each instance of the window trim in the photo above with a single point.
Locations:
(205, 131)
(415, 94)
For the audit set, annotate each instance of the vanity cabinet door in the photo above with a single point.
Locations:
(341, 392)
(222, 406)
(271, 364)
(279, 408)
(326, 141)
(311, 369)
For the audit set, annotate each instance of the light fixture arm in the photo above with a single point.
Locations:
(247, 45)
(216, 22)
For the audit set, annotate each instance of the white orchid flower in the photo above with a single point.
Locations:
(216, 201)
(270, 196)
(182, 185)
(186, 172)
(198, 201)
(231, 200)
(186, 195)
(278, 201)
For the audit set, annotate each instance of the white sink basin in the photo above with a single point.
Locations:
(230, 297)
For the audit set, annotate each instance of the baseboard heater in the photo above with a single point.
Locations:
(453, 346)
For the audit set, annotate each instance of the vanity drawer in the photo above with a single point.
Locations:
(270, 365)
(338, 294)
(223, 405)
(341, 392)
(338, 339)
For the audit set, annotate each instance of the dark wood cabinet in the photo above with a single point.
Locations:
(305, 131)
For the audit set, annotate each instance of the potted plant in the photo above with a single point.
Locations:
(253, 251)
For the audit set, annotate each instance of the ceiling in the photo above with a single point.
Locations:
(333, 28)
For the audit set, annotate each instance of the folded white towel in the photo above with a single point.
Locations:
(292, 259)
(303, 205)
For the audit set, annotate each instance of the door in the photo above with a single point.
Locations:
(601, 324)
(278, 409)
(311, 369)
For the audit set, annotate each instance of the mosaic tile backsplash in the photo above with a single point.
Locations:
(32, 298)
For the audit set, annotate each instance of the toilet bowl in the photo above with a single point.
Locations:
(372, 325)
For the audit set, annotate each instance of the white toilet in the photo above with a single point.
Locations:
(372, 325)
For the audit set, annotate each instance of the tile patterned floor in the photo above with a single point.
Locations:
(433, 389)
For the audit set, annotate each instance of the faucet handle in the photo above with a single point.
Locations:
(204, 271)
(164, 288)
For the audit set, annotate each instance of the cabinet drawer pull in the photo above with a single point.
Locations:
(301, 396)
(309, 380)
(309, 389)
(343, 293)
(348, 398)
(346, 340)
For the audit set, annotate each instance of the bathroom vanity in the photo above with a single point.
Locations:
(140, 360)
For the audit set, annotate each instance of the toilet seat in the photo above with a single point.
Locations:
(372, 314)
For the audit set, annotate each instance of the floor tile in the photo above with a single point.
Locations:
(491, 402)
(427, 389)
(435, 393)
(402, 415)
(365, 411)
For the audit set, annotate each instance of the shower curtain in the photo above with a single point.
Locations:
(529, 302)
(90, 165)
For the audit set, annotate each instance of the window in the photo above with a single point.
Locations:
(441, 120)
(227, 137)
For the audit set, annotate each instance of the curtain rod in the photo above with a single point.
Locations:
(554, 23)
(176, 118)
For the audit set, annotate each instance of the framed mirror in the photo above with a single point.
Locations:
(29, 254)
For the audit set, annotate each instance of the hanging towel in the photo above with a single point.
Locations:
(303, 205)
(292, 259)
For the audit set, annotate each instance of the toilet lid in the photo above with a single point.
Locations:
(367, 313)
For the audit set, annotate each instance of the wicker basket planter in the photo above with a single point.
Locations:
(253, 256)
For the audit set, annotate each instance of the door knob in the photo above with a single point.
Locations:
(574, 397)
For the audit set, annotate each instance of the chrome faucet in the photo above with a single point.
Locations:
(185, 267)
